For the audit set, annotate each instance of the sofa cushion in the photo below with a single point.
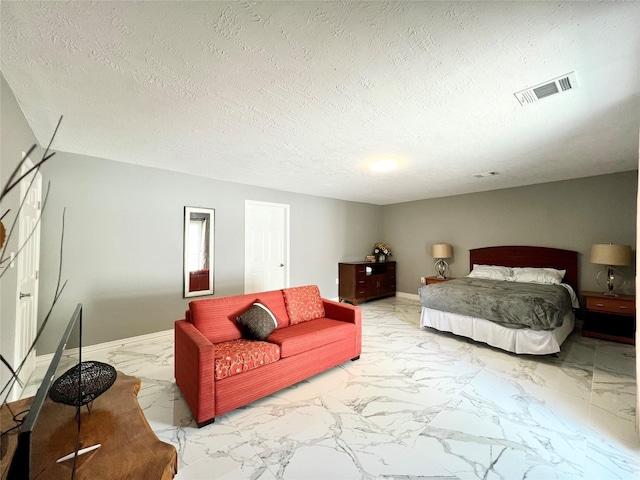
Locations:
(311, 334)
(257, 322)
(215, 318)
(303, 303)
(237, 356)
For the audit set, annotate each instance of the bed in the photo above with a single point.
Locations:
(523, 336)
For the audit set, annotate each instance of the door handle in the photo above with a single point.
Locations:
(282, 264)
(22, 295)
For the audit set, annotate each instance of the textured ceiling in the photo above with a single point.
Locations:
(300, 96)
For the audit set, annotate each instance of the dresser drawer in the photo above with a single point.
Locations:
(611, 305)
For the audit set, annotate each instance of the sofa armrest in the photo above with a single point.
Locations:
(194, 365)
(346, 313)
(342, 311)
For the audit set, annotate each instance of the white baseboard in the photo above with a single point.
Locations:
(412, 296)
(91, 349)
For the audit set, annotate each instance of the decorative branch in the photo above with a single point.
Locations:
(9, 186)
(59, 289)
(3, 259)
(13, 181)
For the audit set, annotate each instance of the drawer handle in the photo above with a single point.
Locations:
(622, 307)
(599, 304)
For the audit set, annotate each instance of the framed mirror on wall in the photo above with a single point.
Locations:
(199, 229)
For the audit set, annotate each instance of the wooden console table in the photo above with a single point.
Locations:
(130, 449)
(362, 281)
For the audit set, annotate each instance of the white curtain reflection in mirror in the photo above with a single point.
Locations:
(198, 251)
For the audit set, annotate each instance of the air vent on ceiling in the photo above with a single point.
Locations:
(546, 89)
(485, 174)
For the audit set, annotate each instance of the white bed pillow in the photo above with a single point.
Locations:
(547, 276)
(574, 298)
(490, 272)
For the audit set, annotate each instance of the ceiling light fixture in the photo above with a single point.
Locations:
(383, 165)
(485, 174)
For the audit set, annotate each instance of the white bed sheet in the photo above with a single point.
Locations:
(516, 340)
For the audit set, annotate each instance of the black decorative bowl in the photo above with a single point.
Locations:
(94, 377)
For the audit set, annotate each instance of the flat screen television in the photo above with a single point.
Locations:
(67, 354)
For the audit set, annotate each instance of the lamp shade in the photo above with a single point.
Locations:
(441, 250)
(609, 254)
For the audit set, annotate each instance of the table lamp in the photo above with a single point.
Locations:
(610, 255)
(440, 251)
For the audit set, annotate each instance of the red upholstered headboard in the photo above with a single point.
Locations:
(529, 257)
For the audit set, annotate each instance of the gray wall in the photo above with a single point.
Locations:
(123, 234)
(16, 137)
(123, 241)
(572, 214)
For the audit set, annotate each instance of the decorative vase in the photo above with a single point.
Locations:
(381, 257)
(83, 383)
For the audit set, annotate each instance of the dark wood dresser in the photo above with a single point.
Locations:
(362, 281)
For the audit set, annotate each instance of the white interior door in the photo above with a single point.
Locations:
(266, 264)
(28, 264)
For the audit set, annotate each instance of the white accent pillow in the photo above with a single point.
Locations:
(490, 272)
(547, 276)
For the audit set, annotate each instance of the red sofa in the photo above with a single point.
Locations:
(217, 370)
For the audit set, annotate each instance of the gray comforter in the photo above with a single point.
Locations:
(511, 304)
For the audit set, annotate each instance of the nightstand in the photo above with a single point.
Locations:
(432, 280)
(609, 317)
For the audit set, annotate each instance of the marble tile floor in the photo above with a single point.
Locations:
(418, 404)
